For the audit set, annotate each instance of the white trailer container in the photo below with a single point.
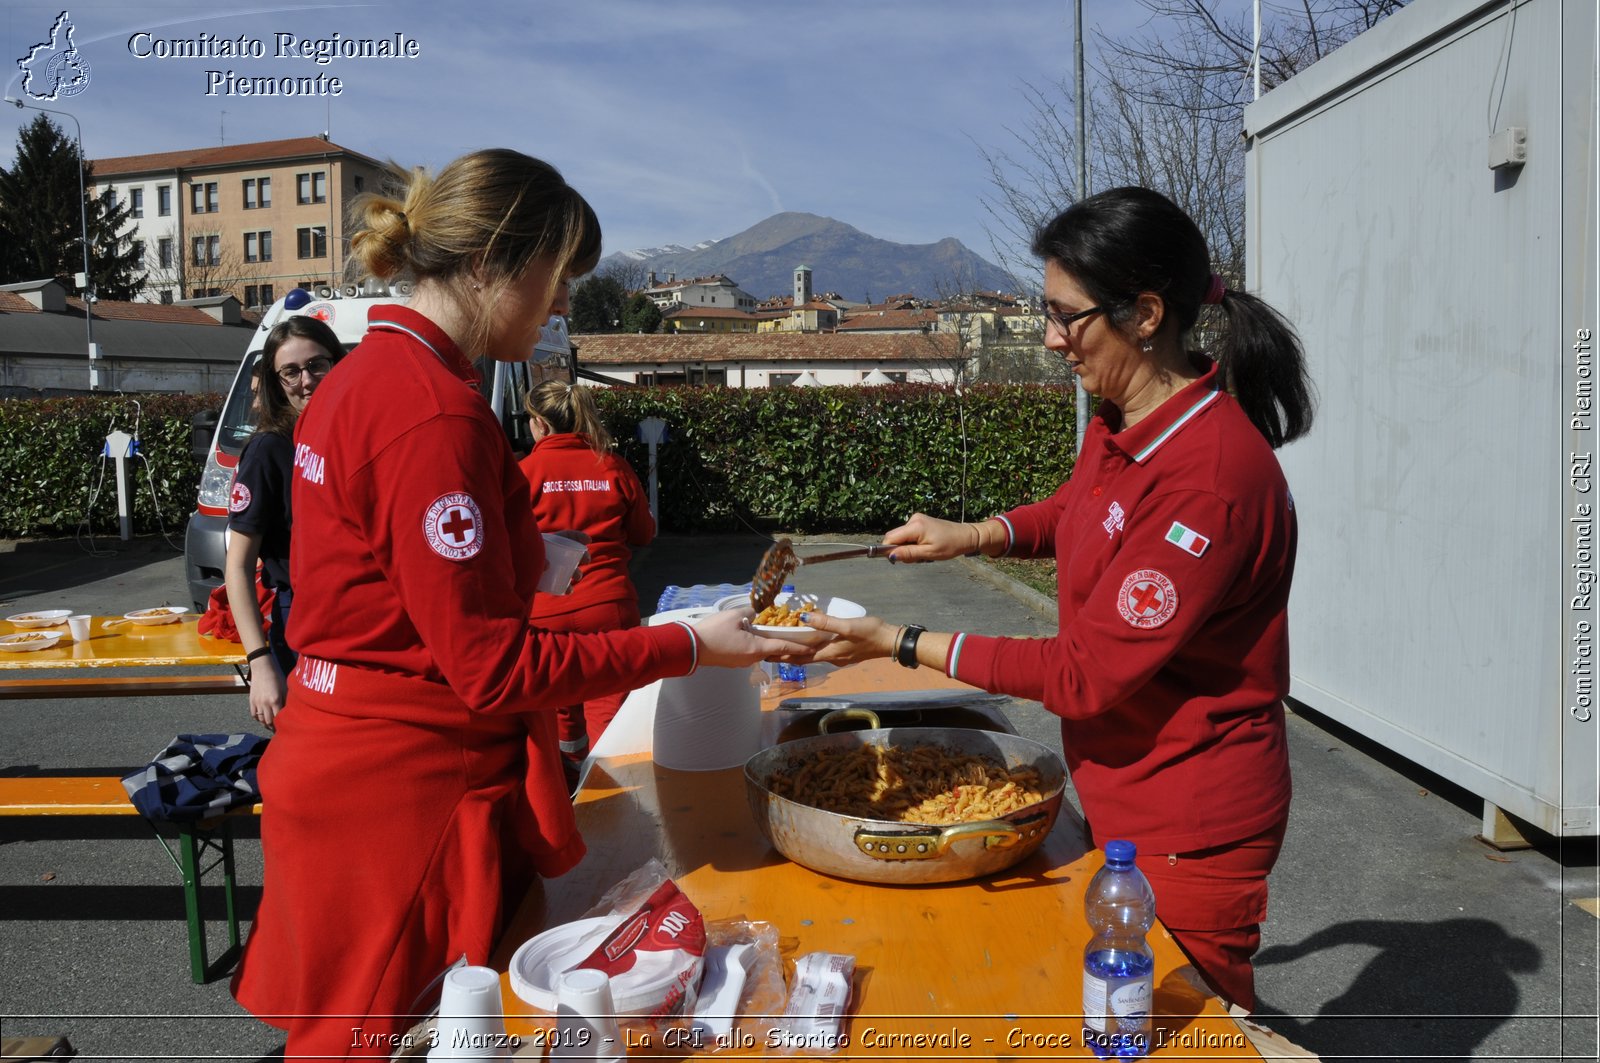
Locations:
(1445, 597)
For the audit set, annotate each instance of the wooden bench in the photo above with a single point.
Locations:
(120, 686)
(44, 795)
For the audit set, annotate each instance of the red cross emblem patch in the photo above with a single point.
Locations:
(454, 526)
(238, 498)
(1148, 599)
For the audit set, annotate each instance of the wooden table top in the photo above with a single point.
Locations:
(988, 967)
(125, 645)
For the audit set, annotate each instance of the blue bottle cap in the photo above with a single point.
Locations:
(788, 588)
(1121, 852)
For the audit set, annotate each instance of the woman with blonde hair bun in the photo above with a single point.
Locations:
(402, 812)
(579, 484)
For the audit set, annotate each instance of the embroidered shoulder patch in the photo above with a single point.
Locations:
(238, 498)
(1148, 599)
(454, 526)
(1187, 539)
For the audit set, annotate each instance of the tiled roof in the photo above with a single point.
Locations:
(636, 349)
(108, 310)
(869, 320)
(227, 155)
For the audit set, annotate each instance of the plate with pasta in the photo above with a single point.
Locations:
(27, 641)
(781, 620)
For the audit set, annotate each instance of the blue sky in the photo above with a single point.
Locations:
(679, 122)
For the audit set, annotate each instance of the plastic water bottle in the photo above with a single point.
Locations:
(1118, 966)
(793, 674)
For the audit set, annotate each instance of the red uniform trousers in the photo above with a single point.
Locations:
(581, 725)
(1213, 901)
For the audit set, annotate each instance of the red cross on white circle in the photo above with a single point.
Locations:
(453, 526)
(1148, 599)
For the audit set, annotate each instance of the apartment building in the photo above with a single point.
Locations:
(248, 220)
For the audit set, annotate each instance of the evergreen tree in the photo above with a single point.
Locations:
(597, 304)
(641, 314)
(43, 221)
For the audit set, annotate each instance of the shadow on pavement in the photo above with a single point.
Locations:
(1435, 990)
(48, 566)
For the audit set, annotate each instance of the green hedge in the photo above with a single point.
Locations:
(845, 458)
(841, 459)
(50, 463)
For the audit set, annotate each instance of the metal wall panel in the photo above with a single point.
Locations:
(1435, 298)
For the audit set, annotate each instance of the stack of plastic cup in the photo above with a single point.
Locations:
(471, 1017)
(586, 1020)
(561, 559)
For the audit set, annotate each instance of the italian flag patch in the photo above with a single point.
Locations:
(1187, 539)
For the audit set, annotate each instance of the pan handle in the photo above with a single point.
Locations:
(930, 842)
(839, 715)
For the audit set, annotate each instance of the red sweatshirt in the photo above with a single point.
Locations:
(575, 489)
(1175, 545)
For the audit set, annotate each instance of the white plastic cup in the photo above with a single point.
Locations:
(561, 558)
(471, 1017)
(586, 1020)
(79, 626)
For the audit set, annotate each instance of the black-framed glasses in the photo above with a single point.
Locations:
(318, 366)
(1061, 321)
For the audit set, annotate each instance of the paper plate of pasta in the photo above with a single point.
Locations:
(161, 614)
(907, 804)
(781, 620)
(27, 641)
(40, 618)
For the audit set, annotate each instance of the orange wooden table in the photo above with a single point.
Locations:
(99, 663)
(988, 968)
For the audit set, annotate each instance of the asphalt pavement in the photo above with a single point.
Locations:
(1394, 933)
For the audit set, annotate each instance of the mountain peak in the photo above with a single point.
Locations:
(843, 259)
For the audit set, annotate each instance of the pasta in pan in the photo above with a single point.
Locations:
(922, 784)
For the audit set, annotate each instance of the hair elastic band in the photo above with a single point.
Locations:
(1215, 290)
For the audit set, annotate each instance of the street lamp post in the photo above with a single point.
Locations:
(83, 222)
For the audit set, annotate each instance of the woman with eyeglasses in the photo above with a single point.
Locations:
(413, 791)
(297, 355)
(1174, 543)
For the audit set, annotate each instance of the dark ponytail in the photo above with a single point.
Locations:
(1123, 242)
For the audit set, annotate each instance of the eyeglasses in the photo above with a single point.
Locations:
(1061, 321)
(317, 367)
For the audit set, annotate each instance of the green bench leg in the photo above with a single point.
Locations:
(191, 840)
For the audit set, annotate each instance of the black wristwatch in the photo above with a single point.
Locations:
(905, 654)
(252, 655)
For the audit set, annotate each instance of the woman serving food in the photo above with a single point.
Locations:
(1175, 544)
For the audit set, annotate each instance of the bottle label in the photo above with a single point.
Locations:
(1117, 1006)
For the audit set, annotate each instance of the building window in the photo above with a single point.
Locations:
(258, 295)
(257, 192)
(166, 296)
(137, 247)
(781, 380)
(359, 182)
(312, 187)
(136, 202)
(267, 298)
(312, 242)
(207, 250)
(164, 253)
(258, 246)
(203, 198)
(164, 201)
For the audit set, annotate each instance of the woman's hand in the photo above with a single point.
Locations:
(861, 639)
(267, 692)
(925, 538)
(726, 641)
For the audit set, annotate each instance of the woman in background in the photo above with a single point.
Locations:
(297, 355)
(578, 483)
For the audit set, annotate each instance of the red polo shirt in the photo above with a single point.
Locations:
(1175, 545)
(421, 549)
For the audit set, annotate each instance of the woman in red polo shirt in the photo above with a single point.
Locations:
(401, 809)
(578, 483)
(1174, 543)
